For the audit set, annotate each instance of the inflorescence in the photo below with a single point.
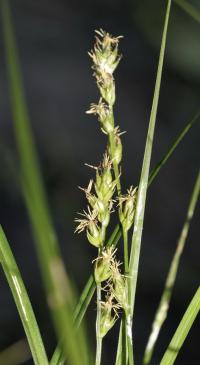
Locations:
(100, 193)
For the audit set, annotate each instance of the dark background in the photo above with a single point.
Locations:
(53, 39)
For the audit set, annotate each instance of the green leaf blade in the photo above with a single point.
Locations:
(182, 330)
(22, 301)
(142, 190)
(173, 146)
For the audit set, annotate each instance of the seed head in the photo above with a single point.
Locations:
(89, 223)
(105, 185)
(119, 285)
(102, 270)
(102, 202)
(109, 315)
(128, 203)
(105, 59)
(104, 116)
(117, 148)
(105, 54)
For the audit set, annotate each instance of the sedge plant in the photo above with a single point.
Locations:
(113, 281)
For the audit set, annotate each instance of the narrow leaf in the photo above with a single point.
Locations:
(162, 311)
(182, 330)
(119, 354)
(142, 190)
(176, 142)
(58, 358)
(189, 9)
(122, 350)
(22, 301)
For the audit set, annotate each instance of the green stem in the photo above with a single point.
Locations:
(143, 185)
(126, 320)
(142, 190)
(125, 239)
(128, 325)
(130, 347)
(98, 323)
(103, 233)
(124, 359)
(115, 165)
(120, 350)
(98, 319)
(128, 328)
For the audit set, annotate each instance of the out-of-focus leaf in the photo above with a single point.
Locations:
(58, 289)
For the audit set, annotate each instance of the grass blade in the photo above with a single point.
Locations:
(176, 142)
(161, 313)
(189, 9)
(84, 301)
(142, 190)
(22, 301)
(119, 354)
(122, 350)
(58, 290)
(58, 358)
(182, 330)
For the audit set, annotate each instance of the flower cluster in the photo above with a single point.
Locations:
(105, 116)
(117, 150)
(109, 314)
(99, 195)
(127, 205)
(100, 191)
(100, 203)
(105, 59)
(107, 270)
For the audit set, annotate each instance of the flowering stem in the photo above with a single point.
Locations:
(129, 337)
(103, 235)
(98, 321)
(125, 238)
(112, 148)
(115, 165)
(127, 334)
(129, 344)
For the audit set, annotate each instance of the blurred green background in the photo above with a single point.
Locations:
(53, 39)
